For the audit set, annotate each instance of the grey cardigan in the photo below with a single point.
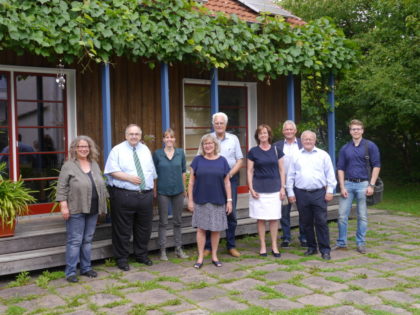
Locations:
(75, 187)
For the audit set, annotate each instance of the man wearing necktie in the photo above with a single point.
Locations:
(130, 172)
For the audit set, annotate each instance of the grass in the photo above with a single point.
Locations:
(404, 197)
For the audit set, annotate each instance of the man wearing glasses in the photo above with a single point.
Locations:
(356, 183)
(131, 173)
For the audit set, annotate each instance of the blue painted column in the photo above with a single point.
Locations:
(331, 119)
(164, 92)
(291, 97)
(214, 91)
(106, 111)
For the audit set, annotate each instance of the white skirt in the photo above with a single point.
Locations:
(267, 207)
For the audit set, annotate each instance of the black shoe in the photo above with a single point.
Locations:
(146, 261)
(276, 255)
(326, 256)
(123, 266)
(285, 244)
(310, 252)
(303, 244)
(72, 279)
(263, 254)
(90, 273)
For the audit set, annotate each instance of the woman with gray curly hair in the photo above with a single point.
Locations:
(82, 194)
(209, 196)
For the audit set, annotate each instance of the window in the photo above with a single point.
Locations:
(234, 101)
(33, 130)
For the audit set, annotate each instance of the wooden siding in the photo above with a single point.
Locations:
(135, 96)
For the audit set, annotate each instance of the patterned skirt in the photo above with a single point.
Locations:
(209, 217)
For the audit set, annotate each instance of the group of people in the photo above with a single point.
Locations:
(279, 174)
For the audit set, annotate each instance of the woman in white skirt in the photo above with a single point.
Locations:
(266, 181)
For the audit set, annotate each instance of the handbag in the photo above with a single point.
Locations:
(378, 189)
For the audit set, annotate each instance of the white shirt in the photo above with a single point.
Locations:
(230, 148)
(121, 160)
(289, 150)
(310, 170)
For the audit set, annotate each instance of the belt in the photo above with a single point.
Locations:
(310, 190)
(133, 191)
(356, 180)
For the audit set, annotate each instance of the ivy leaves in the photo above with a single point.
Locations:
(170, 31)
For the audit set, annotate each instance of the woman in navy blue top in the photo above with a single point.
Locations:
(210, 196)
(171, 167)
(266, 181)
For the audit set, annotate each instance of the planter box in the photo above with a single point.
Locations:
(6, 230)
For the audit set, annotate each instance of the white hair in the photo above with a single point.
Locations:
(289, 122)
(308, 132)
(220, 114)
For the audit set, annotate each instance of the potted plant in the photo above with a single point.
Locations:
(14, 201)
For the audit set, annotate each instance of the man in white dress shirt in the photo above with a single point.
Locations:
(310, 183)
(131, 173)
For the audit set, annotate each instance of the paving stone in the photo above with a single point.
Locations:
(340, 274)
(252, 296)
(374, 283)
(409, 246)
(103, 298)
(222, 304)
(397, 296)
(217, 271)
(279, 276)
(347, 310)
(173, 285)
(99, 285)
(289, 256)
(318, 300)
(365, 271)
(141, 276)
(411, 272)
(390, 309)
(291, 290)
(58, 283)
(71, 290)
(195, 312)
(22, 291)
(318, 264)
(243, 284)
(358, 297)
(389, 266)
(203, 294)
(362, 261)
(270, 267)
(167, 268)
(414, 291)
(235, 274)
(416, 306)
(251, 262)
(154, 312)
(324, 285)
(279, 304)
(184, 306)
(3, 309)
(121, 309)
(82, 312)
(198, 277)
(155, 296)
(47, 301)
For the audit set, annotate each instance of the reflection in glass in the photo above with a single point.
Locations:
(43, 139)
(40, 165)
(3, 87)
(197, 95)
(40, 189)
(40, 114)
(197, 116)
(3, 113)
(4, 141)
(38, 87)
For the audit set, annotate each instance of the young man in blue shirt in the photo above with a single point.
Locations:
(356, 183)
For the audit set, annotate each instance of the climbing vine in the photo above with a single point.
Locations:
(171, 31)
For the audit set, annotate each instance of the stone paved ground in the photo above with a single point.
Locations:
(384, 281)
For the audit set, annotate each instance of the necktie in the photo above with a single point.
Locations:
(139, 170)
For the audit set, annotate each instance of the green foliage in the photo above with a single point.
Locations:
(21, 279)
(170, 31)
(15, 310)
(14, 198)
(44, 279)
(383, 88)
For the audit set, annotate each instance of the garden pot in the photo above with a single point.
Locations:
(6, 230)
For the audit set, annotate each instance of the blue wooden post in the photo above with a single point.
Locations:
(214, 96)
(331, 119)
(291, 97)
(106, 111)
(164, 92)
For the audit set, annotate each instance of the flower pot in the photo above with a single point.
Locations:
(6, 230)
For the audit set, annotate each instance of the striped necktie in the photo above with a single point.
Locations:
(139, 170)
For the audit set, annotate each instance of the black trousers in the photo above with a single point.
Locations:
(131, 213)
(313, 208)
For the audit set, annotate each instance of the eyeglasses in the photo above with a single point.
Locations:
(133, 134)
(356, 129)
(83, 147)
(219, 124)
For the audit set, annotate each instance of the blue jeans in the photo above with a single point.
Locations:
(355, 191)
(285, 225)
(80, 230)
(231, 218)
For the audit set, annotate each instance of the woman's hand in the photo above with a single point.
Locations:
(190, 205)
(282, 194)
(229, 207)
(64, 209)
(254, 194)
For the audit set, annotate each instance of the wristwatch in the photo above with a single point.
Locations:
(371, 185)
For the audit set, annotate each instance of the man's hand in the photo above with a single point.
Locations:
(134, 180)
(328, 197)
(369, 191)
(292, 199)
(344, 192)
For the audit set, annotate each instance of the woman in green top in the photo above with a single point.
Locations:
(170, 166)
